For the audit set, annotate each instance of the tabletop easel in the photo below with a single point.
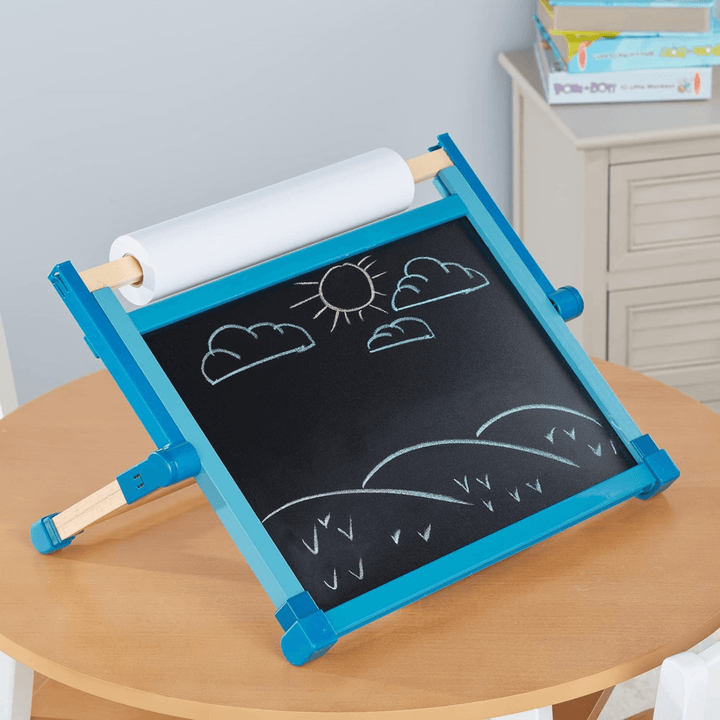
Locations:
(283, 225)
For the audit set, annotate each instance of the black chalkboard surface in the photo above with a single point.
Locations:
(384, 411)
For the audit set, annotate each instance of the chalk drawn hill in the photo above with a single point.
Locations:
(553, 429)
(404, 513)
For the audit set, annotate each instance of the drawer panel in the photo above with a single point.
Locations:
(671, 333)
(664, 213)
(651, 216)
(664, 233)
(693, 333)
(665, 327)
(674, 352)
(676, 315)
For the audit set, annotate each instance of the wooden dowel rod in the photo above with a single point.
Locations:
(124, 271)
(106, 503)
(155, 495)
(89, 510)
(428, 165)
(127, 270)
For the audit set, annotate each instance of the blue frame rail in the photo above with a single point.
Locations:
(184, 451)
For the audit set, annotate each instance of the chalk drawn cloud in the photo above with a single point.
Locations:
(399, 332)
(428, 279)
(233, 348)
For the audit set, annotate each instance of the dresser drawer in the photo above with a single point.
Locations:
(671, 333)
(664, 213)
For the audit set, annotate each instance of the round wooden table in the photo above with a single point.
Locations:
(156, 609)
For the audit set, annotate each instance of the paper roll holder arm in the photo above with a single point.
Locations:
(128, 271)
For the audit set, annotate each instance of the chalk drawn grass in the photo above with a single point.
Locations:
(360, 574)
(347, 533)
(316, 546)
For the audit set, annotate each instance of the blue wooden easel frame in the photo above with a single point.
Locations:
(117, 338)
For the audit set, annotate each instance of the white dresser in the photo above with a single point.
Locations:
(623, 202)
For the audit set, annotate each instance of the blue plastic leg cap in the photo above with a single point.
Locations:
(45, 536)
(309, 638)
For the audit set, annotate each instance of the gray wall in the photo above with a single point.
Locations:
(117, 115)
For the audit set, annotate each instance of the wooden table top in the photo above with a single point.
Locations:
(156, 608)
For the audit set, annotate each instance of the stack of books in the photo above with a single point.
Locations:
(591, 51)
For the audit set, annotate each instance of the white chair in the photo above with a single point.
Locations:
(8, 398)
(689, 686)
(16, 686)
(545, 713)
(16, 680)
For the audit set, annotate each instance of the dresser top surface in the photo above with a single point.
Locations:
(613, 124)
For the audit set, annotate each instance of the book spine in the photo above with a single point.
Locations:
(644, 53)
(635, 52)
(630, 86)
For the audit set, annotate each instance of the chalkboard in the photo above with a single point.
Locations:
(388, 409)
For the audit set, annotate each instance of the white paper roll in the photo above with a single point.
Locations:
(220, 239)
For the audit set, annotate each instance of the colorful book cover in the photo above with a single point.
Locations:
(596, 52)
(564, 88)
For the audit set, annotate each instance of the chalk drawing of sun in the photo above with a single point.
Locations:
(345, 289)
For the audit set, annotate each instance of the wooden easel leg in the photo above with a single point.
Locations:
(55, 531)
(167, 469)
(89, 510)
(16, 685)
(99, 511)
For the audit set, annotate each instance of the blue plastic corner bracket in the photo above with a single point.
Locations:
(162, 468)
(308, 632)
(660, 465)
